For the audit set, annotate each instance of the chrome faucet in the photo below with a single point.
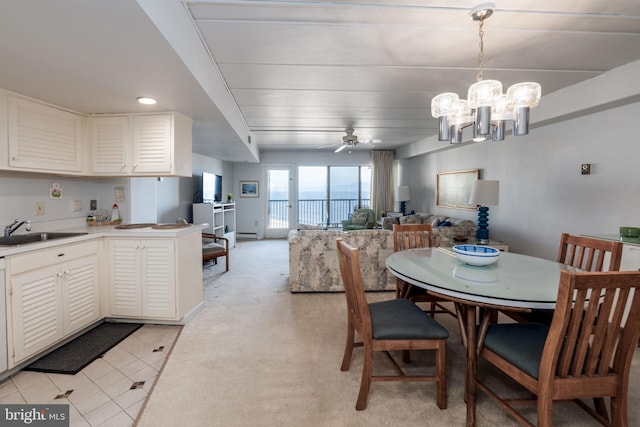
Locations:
(9, 229)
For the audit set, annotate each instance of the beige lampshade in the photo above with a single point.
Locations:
(485, 192)
(403, 193)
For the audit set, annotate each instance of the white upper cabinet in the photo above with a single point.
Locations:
(109, 144)
(145, 145)
(38, 137)
(43, 138)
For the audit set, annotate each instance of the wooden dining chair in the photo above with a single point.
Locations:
(585, 353)
(396, 324)
(212, 250)
(585, 253)
(411, 236)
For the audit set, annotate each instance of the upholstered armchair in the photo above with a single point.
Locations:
(360, 220)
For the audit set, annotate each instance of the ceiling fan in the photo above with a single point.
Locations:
(351, 140)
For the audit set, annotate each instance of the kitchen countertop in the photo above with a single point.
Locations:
(99, 231)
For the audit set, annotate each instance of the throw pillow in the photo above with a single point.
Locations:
(410, 219)
(359, 218)
(434, 221)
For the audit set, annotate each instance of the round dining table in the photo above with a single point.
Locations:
(514, 282)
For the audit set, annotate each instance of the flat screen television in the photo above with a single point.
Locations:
(211, 187)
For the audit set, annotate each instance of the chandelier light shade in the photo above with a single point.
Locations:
(487, 108)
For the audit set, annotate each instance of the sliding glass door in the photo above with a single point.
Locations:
(278, 202)
(329, 194)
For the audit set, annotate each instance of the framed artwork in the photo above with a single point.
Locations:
(249, 188)
(454, 188)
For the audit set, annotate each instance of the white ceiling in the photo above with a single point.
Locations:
(295, 74)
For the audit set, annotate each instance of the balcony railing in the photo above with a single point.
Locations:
(314, 211)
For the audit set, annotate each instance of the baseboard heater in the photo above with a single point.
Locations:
(246, 236)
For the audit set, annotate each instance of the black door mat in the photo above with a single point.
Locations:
(76, 354)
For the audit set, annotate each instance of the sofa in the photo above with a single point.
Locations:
(445, 228)
(313, 260)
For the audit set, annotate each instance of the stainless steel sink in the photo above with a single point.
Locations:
(22, 239)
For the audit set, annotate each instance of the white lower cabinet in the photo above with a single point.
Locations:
(52, 293)
(142, 278)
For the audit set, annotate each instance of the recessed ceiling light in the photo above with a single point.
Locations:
(146, 100)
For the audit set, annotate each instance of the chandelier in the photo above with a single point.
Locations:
(486, 107)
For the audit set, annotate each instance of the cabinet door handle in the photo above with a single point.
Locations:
(67, 272)
(59, 274)
(123, 165)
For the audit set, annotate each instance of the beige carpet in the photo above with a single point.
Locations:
(260, 356)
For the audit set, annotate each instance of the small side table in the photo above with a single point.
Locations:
(501, 246)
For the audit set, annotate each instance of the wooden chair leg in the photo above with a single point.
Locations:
(432, 313)
(619, 416)
(441, 368)
(227, 261)
(601, 407)
(365, 383)
(348, 348)
(544, 412)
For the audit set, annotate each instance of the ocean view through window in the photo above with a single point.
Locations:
(329, 194)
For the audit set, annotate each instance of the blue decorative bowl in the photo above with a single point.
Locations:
(476, 255)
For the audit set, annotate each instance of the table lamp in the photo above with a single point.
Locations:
(403, 195)
(484, 193)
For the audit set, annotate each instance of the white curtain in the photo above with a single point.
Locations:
(382, 181)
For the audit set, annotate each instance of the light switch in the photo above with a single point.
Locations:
(39, 208)
(77, 205)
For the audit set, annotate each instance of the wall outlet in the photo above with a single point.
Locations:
(39, 207)
(93, 205)
(77, 205)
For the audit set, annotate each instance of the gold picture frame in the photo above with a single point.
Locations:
(453, 189)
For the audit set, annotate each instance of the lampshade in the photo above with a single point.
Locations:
(485, 193)
(403, 193)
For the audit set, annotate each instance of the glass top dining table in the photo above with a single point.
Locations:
(515, 281)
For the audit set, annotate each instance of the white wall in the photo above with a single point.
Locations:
(20, 191)
(542, 192)
(250, 212)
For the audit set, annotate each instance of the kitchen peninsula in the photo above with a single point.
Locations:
(56, 289)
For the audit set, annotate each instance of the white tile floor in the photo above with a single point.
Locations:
(108, 392)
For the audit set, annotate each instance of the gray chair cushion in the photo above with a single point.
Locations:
(212, 248)
(401, 319)
(521, 344)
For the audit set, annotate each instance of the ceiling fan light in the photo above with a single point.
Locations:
(444, 104)
(526, 94)
(483, 93)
